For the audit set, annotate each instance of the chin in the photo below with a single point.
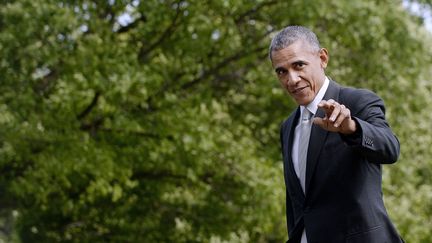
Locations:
(303, 102)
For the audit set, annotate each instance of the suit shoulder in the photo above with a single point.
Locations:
(359, 100)
(352, 95)
(356, 92)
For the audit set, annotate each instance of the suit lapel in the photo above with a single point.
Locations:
(318, 135)
(289, 139)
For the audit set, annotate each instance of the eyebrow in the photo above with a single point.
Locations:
(293, 63)
(280, 69)
(299, 62)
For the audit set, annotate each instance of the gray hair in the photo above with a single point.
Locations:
(291, 34)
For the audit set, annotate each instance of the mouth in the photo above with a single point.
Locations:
(297, 90)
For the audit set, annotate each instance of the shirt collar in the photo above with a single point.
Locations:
(313, 106)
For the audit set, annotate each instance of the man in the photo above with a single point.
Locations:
(333, 146)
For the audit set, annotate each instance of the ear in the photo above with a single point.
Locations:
(324, 57)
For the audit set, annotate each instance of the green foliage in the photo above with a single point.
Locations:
(158, 120)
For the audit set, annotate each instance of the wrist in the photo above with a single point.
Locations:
(351, 128)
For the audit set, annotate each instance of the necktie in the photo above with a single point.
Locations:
(305, 129)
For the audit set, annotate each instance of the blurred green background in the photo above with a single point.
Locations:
(158, 120)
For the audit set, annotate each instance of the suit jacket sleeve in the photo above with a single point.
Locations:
(373, 138)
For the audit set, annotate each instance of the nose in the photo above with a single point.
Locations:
(293, 78)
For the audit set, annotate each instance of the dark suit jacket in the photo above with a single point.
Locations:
(343, 201)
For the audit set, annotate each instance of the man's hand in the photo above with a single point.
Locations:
(337, 118)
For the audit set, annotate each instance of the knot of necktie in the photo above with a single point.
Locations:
(306, 115)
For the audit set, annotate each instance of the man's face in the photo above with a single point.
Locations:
(300, 70)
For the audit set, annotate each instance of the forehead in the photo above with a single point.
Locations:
(297, 51)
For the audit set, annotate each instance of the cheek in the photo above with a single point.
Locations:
(313, 86)
(311, 96)
(282, 82)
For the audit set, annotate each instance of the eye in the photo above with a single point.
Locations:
(280, 71)
(299, 65)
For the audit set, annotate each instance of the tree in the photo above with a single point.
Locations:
(158, 120)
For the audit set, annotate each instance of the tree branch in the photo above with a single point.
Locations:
(93, 126)
(132, 25)
(45, 84)
(157, 175)
(253, 10)
(215, 69)
(137, 133)
(207, 73)
(90, 107)
(145, 51)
